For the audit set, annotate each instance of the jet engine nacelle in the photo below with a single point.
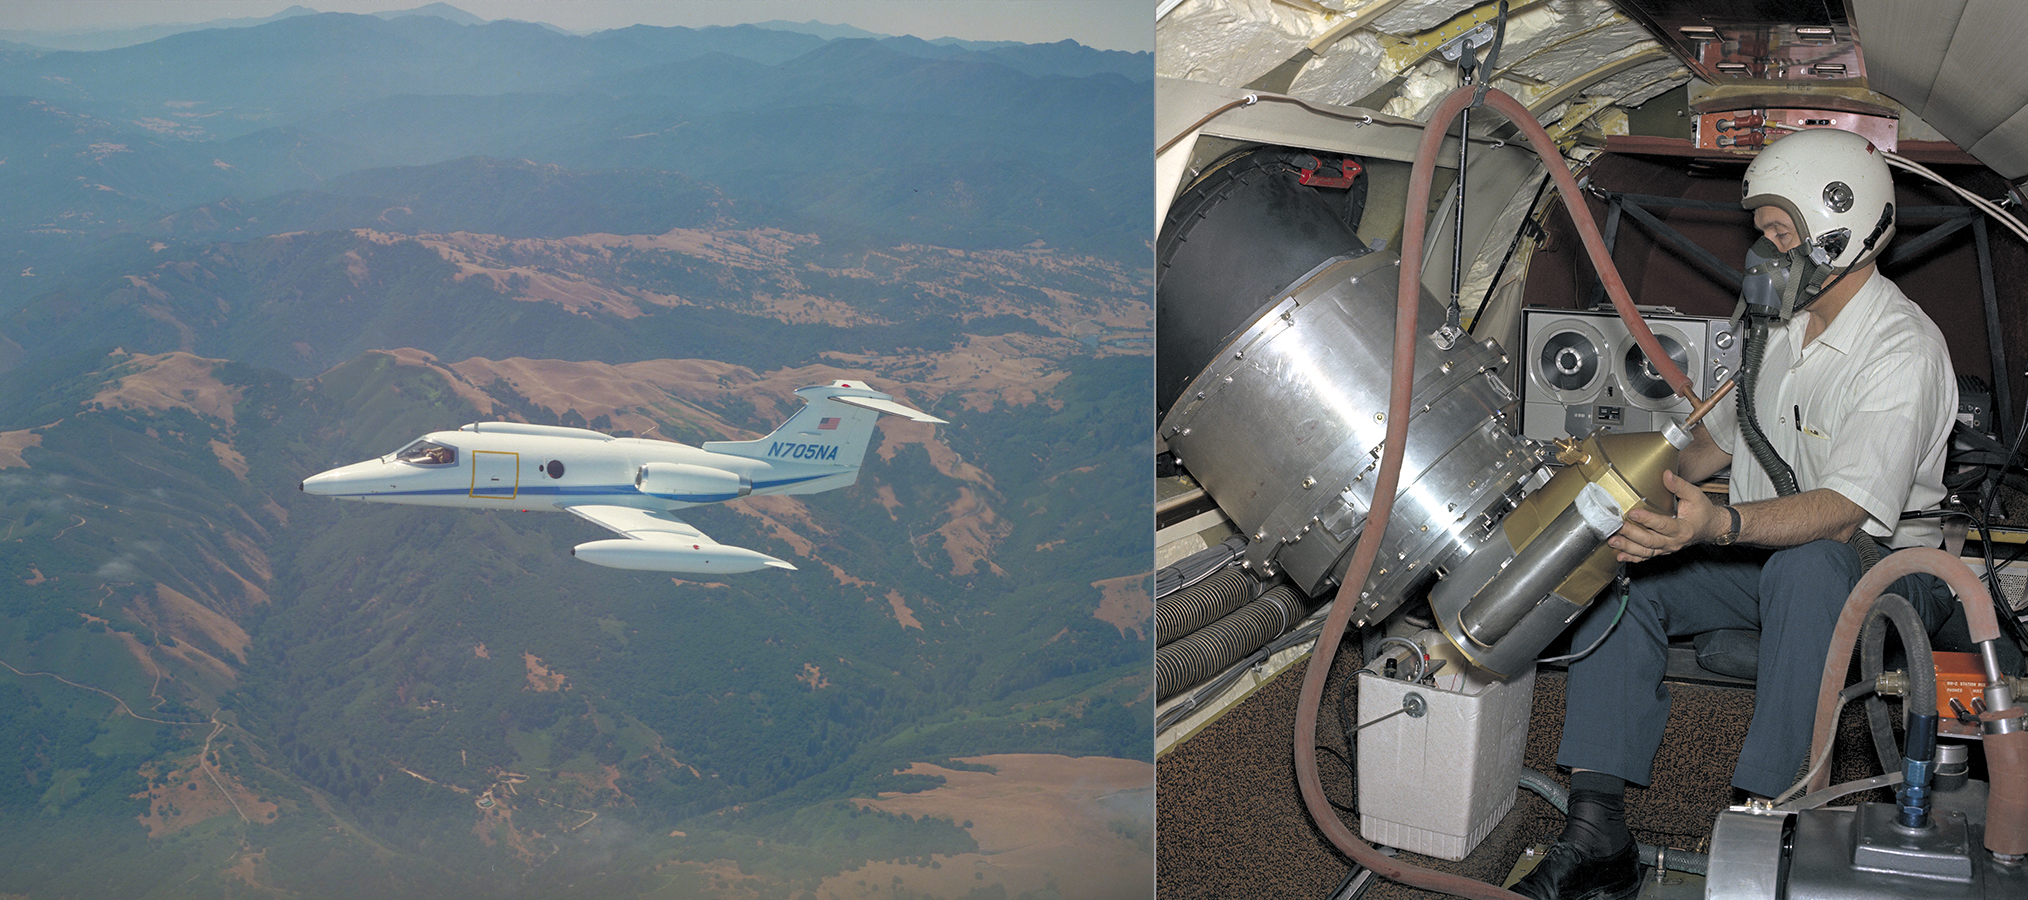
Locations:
(691, 483)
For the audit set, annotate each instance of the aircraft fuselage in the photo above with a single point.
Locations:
(516, 466)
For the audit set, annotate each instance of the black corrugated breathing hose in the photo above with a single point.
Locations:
(1771, 462)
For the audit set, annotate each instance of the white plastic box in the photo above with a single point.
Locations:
(1436, 785)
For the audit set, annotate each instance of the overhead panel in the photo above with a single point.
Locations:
(1951, 63)
(1755, 40)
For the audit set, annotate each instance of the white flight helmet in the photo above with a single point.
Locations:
(1835, 187)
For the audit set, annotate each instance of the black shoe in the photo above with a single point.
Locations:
(1565, 873)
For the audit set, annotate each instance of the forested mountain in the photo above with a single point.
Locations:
(347, 231)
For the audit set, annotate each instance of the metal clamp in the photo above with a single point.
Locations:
(1446, 336)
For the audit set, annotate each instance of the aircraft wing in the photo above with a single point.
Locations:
(658, 542)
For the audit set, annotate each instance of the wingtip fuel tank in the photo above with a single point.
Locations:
(702, 559)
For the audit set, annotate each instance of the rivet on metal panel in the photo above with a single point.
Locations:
(1239, 354)
(1309, 482)
(1445, 368)
(1260, 535)
(1380, 417)
(1184, 431)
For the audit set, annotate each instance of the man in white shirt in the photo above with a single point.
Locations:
(1854, 400)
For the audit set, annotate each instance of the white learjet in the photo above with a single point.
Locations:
(629, 485)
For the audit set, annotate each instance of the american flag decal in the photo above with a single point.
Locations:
(829, 423)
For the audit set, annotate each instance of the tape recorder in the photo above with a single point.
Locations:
(1584, 371)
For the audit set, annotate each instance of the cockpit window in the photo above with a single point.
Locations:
(427, 453)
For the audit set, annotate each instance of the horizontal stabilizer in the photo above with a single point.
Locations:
(659, 542)
(891, 408)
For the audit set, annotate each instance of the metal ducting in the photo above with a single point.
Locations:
(1275, 390)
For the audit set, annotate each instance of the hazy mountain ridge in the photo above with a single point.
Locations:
(304, 302)
(123, 139)
(477, 194)
(307, 64)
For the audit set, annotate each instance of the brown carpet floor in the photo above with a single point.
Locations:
(1230, 824)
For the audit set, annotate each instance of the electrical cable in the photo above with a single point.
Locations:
(1990, 208)
(1252, 98)
(1528, 224)
(2006, 219)
(1348, 764)
(1845, 696)
(1626, 593)
(1415, 652)
(1988, 495)
(1192, 570)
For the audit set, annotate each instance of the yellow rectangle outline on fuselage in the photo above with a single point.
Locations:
(514, 492)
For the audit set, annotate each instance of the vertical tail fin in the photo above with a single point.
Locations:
(833, 427)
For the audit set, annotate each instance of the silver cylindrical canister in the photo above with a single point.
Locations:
(1531, 577)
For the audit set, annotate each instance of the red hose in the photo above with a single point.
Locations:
(1984, 626)
(2006, 754)
(1408, 297)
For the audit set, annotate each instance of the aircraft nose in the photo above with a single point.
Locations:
(335, 481)
(319, 483)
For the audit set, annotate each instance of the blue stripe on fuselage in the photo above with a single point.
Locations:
(595, 490)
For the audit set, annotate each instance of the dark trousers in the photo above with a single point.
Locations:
(1616, 703)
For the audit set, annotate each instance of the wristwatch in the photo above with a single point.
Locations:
(1726, 539)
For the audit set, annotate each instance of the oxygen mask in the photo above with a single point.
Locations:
(1778, 283)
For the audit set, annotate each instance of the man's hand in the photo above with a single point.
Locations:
(1647, 534)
